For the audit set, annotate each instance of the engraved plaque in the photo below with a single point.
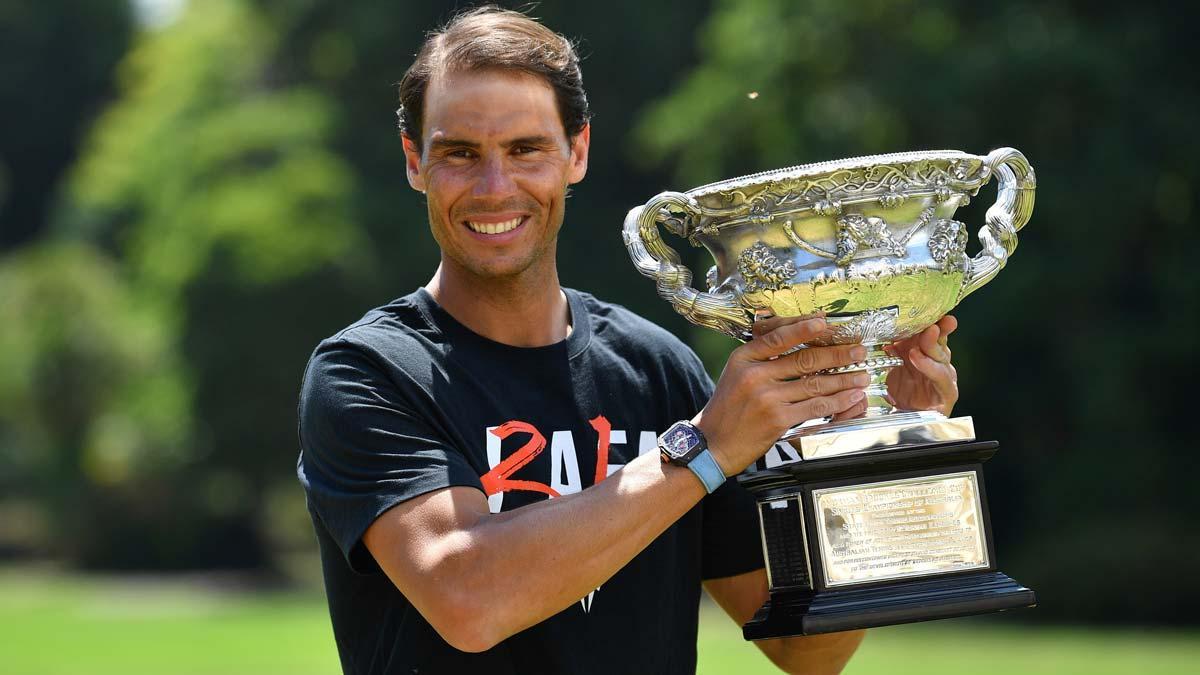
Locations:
(901, 528)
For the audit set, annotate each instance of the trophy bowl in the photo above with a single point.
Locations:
(869, 242)
(881, 519)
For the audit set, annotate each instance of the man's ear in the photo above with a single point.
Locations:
(579, 154)
(412, 164)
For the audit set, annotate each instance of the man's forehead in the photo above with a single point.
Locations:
(490, 104)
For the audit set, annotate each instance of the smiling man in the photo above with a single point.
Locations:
(506, 476)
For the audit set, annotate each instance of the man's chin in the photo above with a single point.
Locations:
(497, 271)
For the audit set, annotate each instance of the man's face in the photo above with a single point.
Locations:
(495, 165)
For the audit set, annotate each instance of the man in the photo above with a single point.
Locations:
(448, 437)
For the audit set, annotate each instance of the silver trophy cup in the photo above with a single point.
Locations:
(881, 519)
(870, 242)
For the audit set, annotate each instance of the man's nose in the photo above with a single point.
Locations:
(494, 179)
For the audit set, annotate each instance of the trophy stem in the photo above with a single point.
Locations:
(876, 365)
(878, 401)
(881, 426)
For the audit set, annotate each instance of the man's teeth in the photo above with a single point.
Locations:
(495, 228)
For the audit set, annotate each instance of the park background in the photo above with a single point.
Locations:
(194, 193)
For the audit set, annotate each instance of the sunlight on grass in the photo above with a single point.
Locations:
(56, 624)
(992, 645)
(51, 625)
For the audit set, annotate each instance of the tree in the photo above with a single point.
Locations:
(92, 405)
(1077, 357)
(56, 68)
(247, 186)
(207, 174)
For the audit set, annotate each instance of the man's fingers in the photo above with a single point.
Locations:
(770, 323)
(826, 406)
(852, 412)
(928, 339)
(933, 343)
(823, 385)
(777, 341)
(815, 359)
(942, 375)
(948, 324)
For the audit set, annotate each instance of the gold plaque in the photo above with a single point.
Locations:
(900, 528)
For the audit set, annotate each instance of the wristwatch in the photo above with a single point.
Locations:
(684, 445)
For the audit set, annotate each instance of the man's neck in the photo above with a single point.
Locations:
(521, 312)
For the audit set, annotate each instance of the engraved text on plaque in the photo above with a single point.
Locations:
(900, 528)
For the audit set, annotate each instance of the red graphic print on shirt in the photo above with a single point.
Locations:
(499, 478)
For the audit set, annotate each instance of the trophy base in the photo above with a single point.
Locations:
(878, 538)
(786, 615)
(882, 432)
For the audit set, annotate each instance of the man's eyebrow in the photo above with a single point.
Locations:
(443, 142)
(538, 140)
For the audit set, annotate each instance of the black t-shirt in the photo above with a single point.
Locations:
(407, 400)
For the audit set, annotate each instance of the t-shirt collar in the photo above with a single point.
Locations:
(446, 324)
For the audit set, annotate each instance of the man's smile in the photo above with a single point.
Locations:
(489, 226)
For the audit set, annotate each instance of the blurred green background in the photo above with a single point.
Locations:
(194, 193)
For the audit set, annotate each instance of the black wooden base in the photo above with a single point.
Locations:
(806, 613)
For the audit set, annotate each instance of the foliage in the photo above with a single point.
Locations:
(204, 169)
(203, 154)
(1077, 357)
(56, 62)
(247, 189)
(244, 196)
(90, 393)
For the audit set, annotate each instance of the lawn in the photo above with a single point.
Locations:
(52, 624)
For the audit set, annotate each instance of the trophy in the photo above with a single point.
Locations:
(880, 519)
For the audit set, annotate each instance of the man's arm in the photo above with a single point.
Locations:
(927, 381)
(741, 596)
(462, 567)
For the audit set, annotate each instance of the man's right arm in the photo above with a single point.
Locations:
(462, 567)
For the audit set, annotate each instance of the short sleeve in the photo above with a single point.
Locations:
(730, 540)
(365, 449)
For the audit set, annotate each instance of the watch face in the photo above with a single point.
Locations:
(680, 439)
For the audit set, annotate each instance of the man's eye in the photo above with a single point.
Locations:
(524, 149)
(462, 154)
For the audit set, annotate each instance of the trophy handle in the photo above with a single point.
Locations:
(655, 259)
(1014, 205)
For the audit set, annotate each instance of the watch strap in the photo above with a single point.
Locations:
(705, 466)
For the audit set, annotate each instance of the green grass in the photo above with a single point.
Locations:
(983, 646)
(53, 624)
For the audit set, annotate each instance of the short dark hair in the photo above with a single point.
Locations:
(491, 37)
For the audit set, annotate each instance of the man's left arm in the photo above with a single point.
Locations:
(926, 381)
(741, 596)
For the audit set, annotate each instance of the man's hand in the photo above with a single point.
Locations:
(764, 390)
(927, 380)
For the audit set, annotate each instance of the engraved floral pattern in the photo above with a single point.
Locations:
(960, 169)
(891, 199)
(857, 232)
(888, 184)
(826, 207)
(869, 328)
(948, 244)
(760, 209)
(762, 270)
